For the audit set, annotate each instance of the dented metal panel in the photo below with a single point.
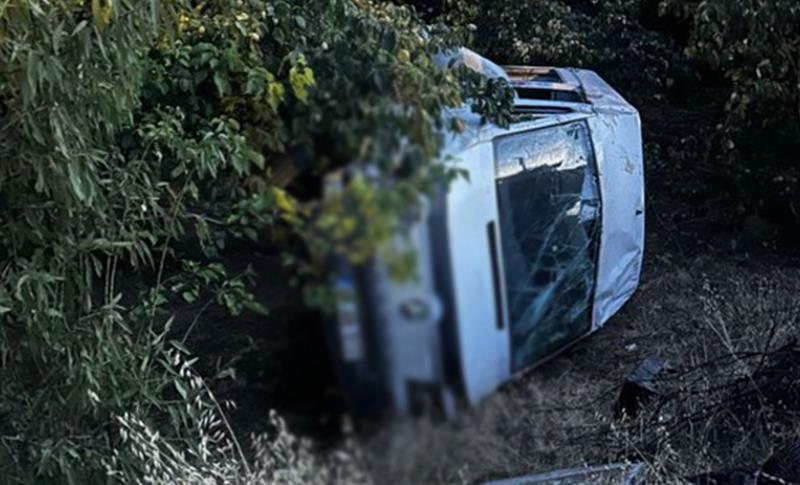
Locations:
(616, 133)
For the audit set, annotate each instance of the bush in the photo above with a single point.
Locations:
(217, 457)
(604, 36)
(753, 45)
(74, 212)
(138, 143)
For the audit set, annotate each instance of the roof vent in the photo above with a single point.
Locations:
(542, 110)
(533, 73)
(549, 94)
(543, 84)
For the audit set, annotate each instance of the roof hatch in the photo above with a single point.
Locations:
(533, 83)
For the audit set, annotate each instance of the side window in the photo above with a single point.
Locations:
(549, 226)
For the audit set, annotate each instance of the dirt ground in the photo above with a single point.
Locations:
(562, 414)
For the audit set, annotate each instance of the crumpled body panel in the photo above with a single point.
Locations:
(616, 133)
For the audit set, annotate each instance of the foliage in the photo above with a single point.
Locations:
(313, 86)
(217, 457)
(604, 36)
(74, 211)
(755, 46)
(524, 32)
(138, 143)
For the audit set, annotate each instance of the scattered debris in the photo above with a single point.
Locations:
(639, 386)
(616, 474)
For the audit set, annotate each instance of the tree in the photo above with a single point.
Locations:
(128, 133)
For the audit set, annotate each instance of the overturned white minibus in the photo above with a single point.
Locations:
(537, 248)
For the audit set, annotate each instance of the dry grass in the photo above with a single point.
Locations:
(280, 458)
(723, 405)
(214, 454)
(711, 319)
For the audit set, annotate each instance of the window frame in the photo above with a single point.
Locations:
(506, 313)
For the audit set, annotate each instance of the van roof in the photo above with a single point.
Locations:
(538, 87)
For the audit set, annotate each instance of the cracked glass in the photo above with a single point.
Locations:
(549, 227)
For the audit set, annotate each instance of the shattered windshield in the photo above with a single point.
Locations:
(549, 220)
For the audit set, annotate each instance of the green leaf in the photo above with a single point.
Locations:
(275, 94)
(301, 77)
(256, 307)
(220, 83)
(181, 389)
(180, 347)
(155, 10)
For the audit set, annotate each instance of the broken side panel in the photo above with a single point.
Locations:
(617, 137)
(549, 211)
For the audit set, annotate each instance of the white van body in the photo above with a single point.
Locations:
(538, 247)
